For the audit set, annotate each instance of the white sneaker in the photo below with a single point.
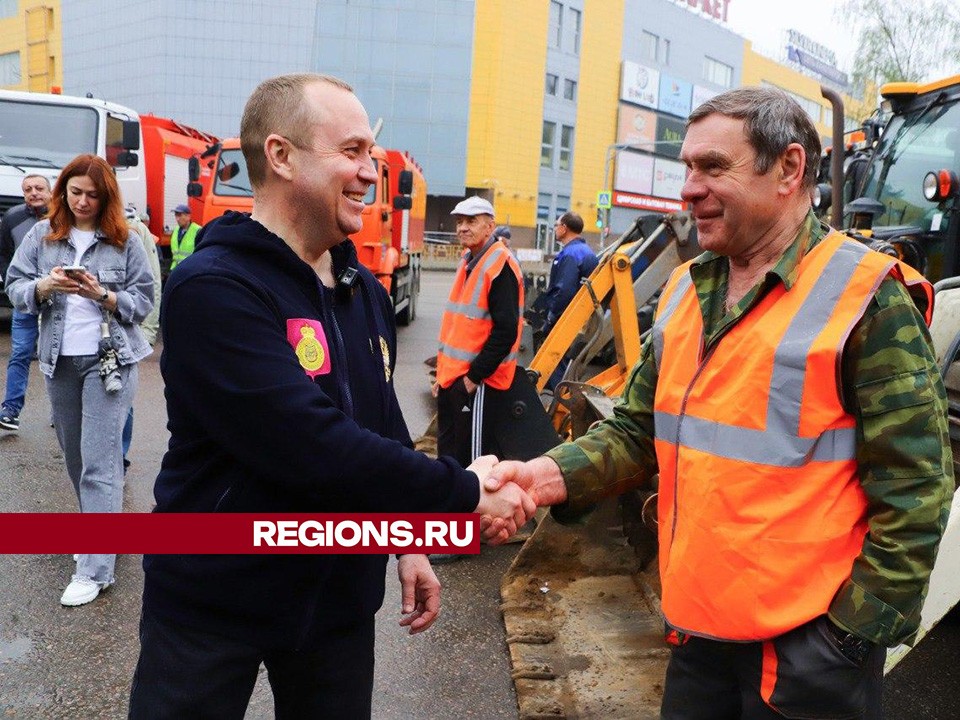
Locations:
(80, 591)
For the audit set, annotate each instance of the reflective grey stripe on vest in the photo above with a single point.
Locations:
(492, 257)
(470, 311)
(683, 284)
(468, 355)
(755, 446)
(779, 444)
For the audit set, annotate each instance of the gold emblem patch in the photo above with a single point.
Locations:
(309, 350)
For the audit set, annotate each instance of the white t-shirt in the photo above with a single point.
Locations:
(81, 330)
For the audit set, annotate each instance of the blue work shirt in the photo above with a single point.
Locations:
(575, 261)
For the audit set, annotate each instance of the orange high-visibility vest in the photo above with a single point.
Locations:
(467, 324)
(761, 512)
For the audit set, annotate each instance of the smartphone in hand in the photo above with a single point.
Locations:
(73, 270)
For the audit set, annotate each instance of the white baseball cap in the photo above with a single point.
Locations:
(474, 205)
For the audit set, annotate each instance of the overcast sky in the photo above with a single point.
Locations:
(763, 23)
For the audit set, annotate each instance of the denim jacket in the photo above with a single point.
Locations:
(125, 271)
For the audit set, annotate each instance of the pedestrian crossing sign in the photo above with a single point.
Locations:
(603, 200)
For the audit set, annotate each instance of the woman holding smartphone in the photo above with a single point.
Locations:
(85, 273)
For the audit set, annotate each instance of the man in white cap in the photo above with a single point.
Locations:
(184, 236)
(479, 334)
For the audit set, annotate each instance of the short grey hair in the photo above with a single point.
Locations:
(277, 106)
(771, 121)
(45, 179)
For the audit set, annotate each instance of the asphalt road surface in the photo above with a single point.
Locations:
(77, 662)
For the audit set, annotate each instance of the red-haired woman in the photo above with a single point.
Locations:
(82, 269)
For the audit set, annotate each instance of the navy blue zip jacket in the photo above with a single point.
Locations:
(261, 420)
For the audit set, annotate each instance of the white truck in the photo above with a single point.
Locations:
(40, 133)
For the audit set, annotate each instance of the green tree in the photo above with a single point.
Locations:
(902, 41)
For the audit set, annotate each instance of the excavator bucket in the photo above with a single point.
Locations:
(583, 623)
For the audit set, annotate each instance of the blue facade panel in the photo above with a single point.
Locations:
(410, 65)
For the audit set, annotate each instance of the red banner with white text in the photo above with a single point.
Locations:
(238, 533)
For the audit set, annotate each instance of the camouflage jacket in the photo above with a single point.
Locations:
(893, 388)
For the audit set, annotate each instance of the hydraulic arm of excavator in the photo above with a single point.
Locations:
(610, 286)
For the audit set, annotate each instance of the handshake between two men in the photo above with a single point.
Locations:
(511, 492)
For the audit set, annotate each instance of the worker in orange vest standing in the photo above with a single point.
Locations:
(479, 334)
(790, 399)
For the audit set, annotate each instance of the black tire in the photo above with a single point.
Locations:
(409, 313)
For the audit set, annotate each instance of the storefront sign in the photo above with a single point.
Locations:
(646, 202)
(675, 95)
(634, 172)
(636, 127)
(716, 9)
(700, 95)
(670, 132)
(668, 178)
(639, 84)
(811, 62)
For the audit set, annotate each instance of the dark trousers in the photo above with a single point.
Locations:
(801, 674)
(186, 673)
(464, 430)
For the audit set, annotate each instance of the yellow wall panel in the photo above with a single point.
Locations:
(758, 69)
(597, 101)
(506, 104)
(35, 32)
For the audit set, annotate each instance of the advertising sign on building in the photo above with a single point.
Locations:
(700, 95)
(815, 57)
(646, 202)
(668, 178)
(716, 9)
(636, 127)
(639, 84)
(634, 172)
(810, 62)
(675, 95)
(670, 133)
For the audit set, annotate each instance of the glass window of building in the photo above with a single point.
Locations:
(654, 48)
(544, 200)
(648, 46)
(563, 204)
(10, 68)
(575, 18)
(547, 143)
(566, 147)
(555, 29)
(8, 8)
(570, 89)
(717, 72)
(551, 85)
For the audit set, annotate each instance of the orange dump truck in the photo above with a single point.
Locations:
(168, 147)
(390, 243)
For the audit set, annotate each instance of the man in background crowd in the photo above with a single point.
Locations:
(24, 328)
(184, 236)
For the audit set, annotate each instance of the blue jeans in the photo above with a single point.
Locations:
(23, 341)
(89, 424)
(126, 436)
